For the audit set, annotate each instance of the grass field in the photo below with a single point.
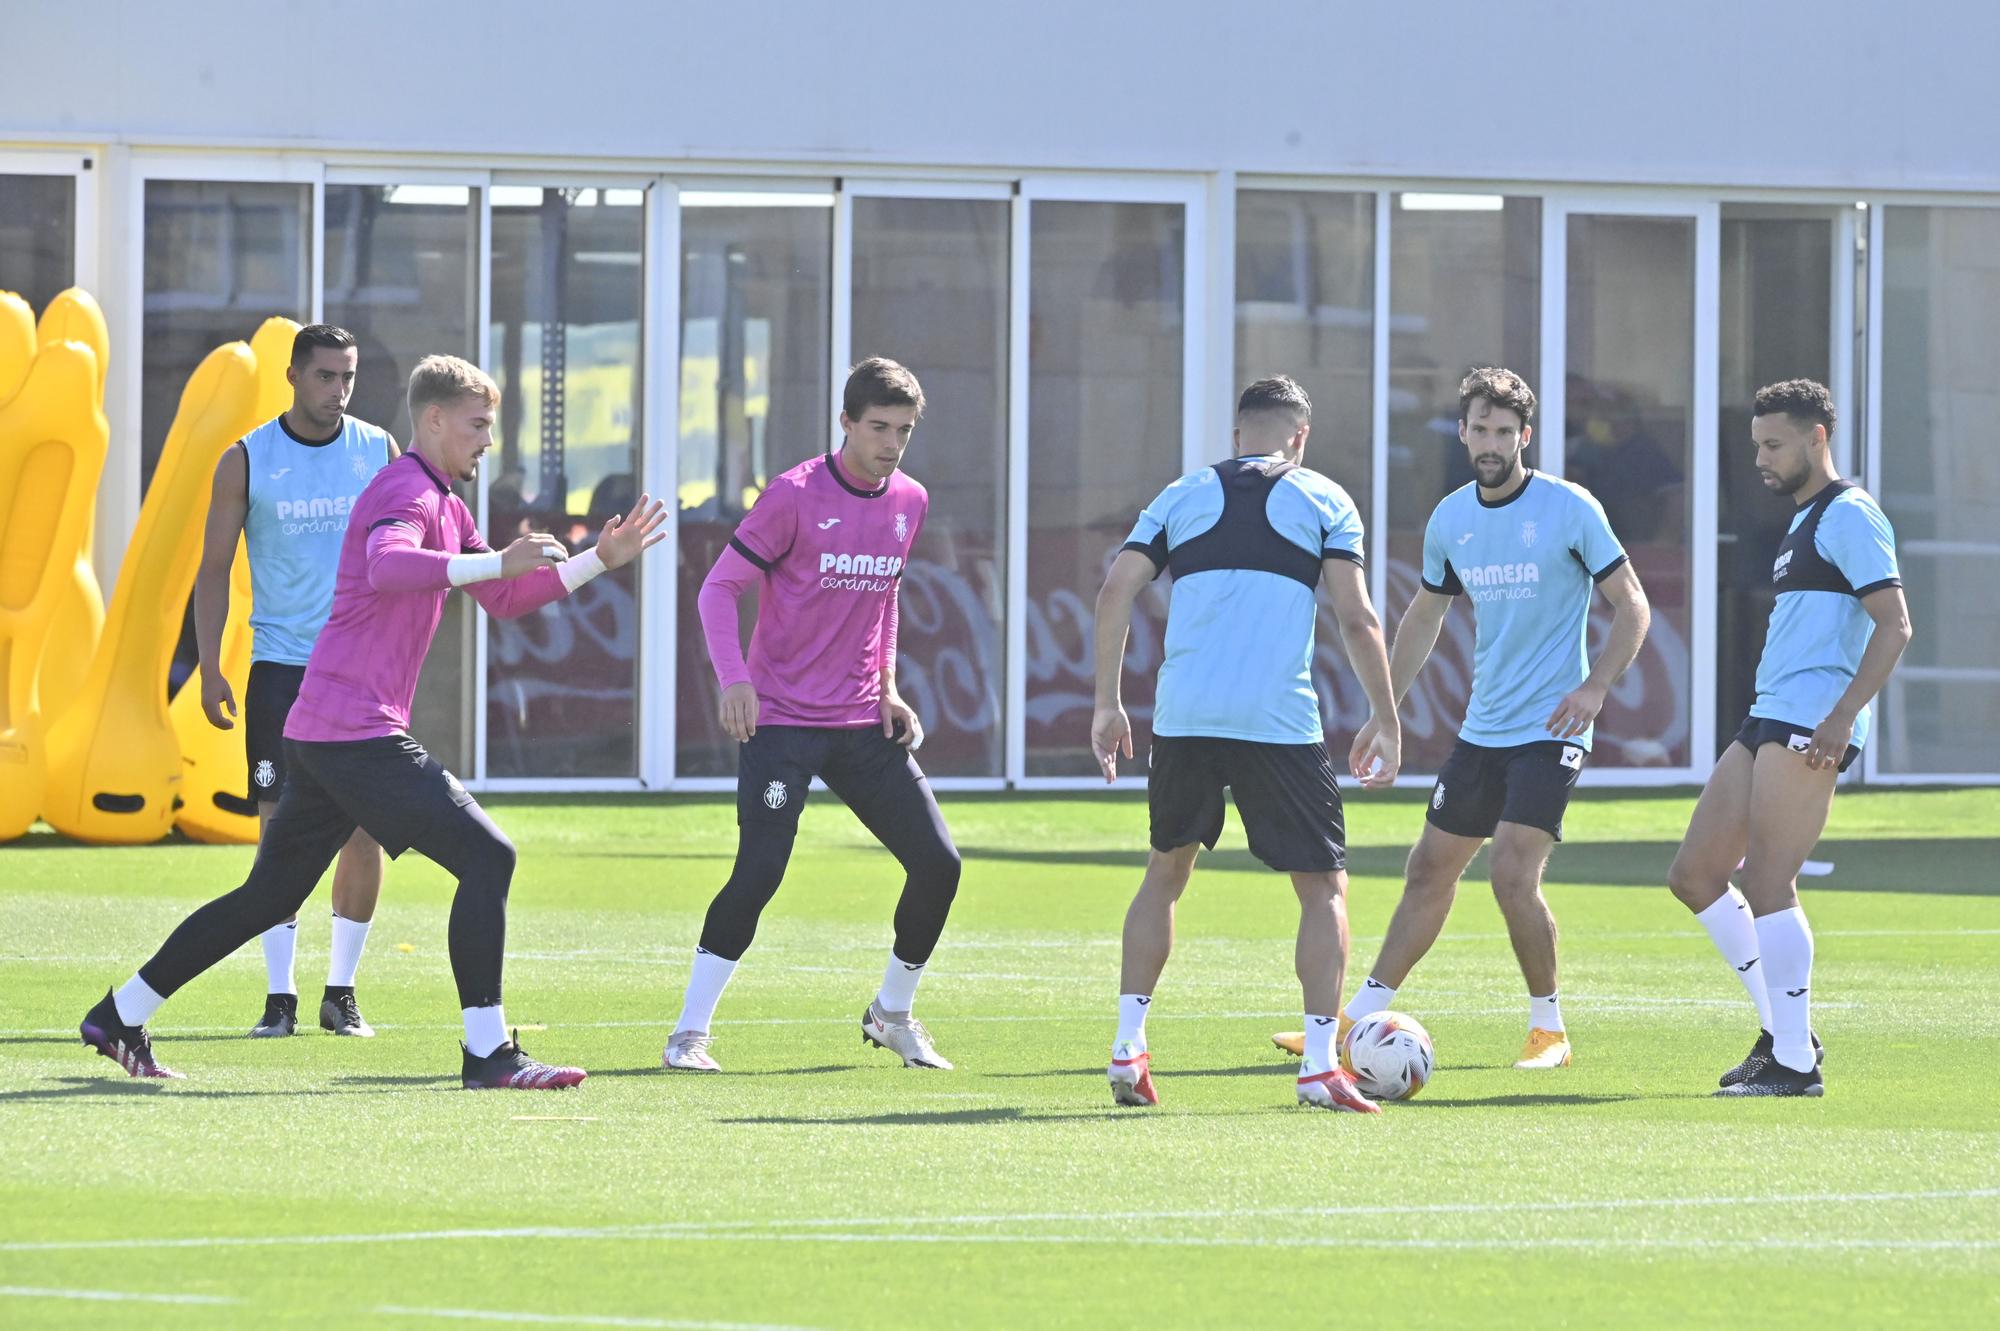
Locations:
(340, 1183)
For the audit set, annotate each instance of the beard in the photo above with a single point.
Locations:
(1510, 467)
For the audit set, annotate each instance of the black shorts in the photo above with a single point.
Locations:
(871, 773)
(1479, 788)
(1758, 731)
(267, 701)
(1285, 794)
(391, 788)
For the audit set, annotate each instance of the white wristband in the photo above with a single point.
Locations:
(575, 572)
(462, 569)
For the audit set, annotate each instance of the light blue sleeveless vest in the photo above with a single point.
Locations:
(300, 492)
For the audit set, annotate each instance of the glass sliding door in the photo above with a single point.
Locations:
(401, 274)
(756, 309)
(37, 235)
(1108, 426)
(929, 288)
(1305, 307)
(1465, 284)
(564, 338)
(1636, 396)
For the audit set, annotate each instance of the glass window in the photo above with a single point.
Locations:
(1777, 317)
(1305, 307)
(931, 290)
(756, 310)
(220, 259)
(1629, 426)
(568, 281)
(1940, 485)
(37, 237)
(401, 275)
(1464, 291)
(1106, 321)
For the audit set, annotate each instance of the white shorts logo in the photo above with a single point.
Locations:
(1437, 798)
(1799, 743)
(774, 795)
(266, 775)
(1573, 757)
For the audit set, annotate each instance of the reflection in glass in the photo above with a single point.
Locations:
(37, 237)
(1629, 422)
(1106, 321)
(567, 288)
(401, 275)
(930, 290)
(1777, 303)
(1940, 485)
(1465, 290)
(756, 286)
(1305, 307)
(220, 259)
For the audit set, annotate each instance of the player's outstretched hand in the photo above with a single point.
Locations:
(216, 695)
(739, 711)
(895, 711)
(1575, 713)
(1110, 735)
(1375, 757)
(536, 550)
(624, 538)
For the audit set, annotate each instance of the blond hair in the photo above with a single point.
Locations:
(446, 379)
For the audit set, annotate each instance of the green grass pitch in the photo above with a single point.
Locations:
(341, 1183)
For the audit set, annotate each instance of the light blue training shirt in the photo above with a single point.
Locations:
(300, 491)
(1528, 563)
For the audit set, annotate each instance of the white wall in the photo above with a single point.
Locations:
(1795, 93)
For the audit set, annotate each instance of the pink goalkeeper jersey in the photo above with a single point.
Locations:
(826, 555)
(387, 598)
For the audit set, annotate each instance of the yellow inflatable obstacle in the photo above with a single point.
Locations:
(215, 782)
(114, 764)
(53, 439)
(73, 316)
(17, 343)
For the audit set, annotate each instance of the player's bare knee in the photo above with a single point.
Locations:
(1769, 888)
(1694, 885)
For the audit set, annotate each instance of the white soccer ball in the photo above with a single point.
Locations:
(1389, 1054)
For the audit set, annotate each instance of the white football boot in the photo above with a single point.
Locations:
(687, 1051)
(907, 1039)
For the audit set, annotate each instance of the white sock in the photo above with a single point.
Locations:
(1319, 1044)
(349, 936)
(136, 1002)
(281, 946)
(899, 985)
(1132, 1010)
(1734, 933)
(1545, 1013)
(1787, 944)
(1372, 997)
(705, 984)
(485, 1029)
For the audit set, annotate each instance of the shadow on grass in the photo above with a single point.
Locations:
(928, 1118)
(104, 1088)
(1935, 866)
(1525, 1101)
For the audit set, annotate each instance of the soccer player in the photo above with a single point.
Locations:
(351, 759)
(825, 546)
(1248, 541)
(1837, 630)
(287, 488)
(1527, 549)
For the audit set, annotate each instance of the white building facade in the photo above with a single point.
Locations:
(668, 232)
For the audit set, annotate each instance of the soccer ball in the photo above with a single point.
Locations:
(1389, 1055)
